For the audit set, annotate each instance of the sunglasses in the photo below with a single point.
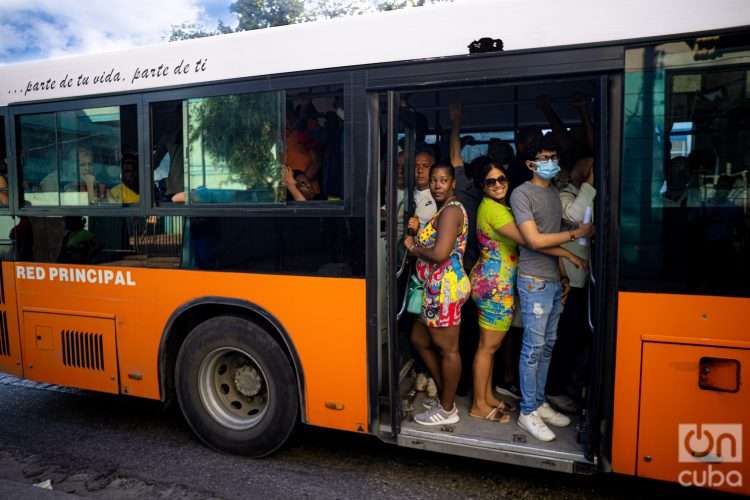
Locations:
(491, 181)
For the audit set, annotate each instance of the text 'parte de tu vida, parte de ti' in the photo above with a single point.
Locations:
(116, 76)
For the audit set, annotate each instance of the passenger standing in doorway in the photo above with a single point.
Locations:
(424, 203)
(439, 248)
(538, 213)
(493, 281)
(570, 358)
(425, 209)
(470, 196)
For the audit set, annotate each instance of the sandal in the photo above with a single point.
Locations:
(495, 415)
(506, 407)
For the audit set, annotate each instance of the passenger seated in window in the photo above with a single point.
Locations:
(79, 245)
(300, 186)
(301, 148)
(86, 181)
(3, 183)
(126, 192)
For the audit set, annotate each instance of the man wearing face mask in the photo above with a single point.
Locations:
(538, 213)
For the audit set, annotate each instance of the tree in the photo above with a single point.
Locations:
(254, 14)
(328, 9)
(186, 31)
(241, 134)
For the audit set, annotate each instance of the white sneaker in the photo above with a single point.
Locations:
(421, 383)
(551, 416)
(431, 388)
(534, 425)
(438, 416)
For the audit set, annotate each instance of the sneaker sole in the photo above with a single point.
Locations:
(554, 424)
(450, 421)
(518, 422)
(506, 392)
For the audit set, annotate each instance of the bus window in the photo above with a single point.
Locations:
(245, 148)
(231, 147)
(686, 218)
(74, 158)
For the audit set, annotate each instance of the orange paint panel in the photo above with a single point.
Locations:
(72, 350)
(324, 317)
(682, 319)
(10, 338)
(683, 415)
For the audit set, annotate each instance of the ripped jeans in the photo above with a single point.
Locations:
(540, 309)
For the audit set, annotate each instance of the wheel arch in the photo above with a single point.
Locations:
(190, 314)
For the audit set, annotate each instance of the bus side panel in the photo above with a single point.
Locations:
(324, 318)
(692, 403)
(10, 338)
(700, 325)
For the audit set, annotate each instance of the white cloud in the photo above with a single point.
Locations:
(33, 29)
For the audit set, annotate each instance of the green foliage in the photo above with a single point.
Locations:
(329, 9)
(254, 14)
(243, 132)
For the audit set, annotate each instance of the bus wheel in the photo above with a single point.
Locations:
(236, 387)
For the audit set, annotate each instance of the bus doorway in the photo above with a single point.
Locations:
(498, 121)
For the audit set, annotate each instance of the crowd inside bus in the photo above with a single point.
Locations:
(501, 242)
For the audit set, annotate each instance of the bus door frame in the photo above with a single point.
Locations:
(398, 265)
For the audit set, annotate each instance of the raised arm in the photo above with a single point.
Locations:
(544, 105)
(455, 111)
(579, 103)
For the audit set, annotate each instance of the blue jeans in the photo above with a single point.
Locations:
(540, 310)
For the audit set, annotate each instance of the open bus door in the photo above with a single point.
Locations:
(579, 447)
(10, 339)
(400, 137)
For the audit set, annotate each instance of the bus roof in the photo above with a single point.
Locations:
(410, 34)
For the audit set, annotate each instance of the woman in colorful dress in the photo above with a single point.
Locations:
(439, 247)
(493, 281)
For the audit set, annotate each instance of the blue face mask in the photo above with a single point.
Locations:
(547, 169)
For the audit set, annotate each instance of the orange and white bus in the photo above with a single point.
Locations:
(149, 247)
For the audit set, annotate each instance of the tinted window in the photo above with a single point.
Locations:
(79, 158)
(233, 149)
(316, 246)
(685, 211)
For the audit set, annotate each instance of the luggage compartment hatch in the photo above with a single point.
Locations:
(71, 349)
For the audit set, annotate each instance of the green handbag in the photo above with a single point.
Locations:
(415, 294)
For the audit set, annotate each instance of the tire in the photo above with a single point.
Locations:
(236, 388)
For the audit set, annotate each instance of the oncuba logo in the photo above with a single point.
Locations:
(710, 444)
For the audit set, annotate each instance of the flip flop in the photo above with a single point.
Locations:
(506, 407)
(493, 416)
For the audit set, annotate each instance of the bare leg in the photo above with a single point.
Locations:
(447, 341)
(489, 341)
(420, 339)
(489, 393)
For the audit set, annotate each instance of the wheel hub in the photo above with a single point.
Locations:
(247, 381)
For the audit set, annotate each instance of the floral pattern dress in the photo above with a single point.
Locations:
(447, 286)
(493, 277)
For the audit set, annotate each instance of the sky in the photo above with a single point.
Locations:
(42, 29)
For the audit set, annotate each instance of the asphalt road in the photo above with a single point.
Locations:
(101, 446)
